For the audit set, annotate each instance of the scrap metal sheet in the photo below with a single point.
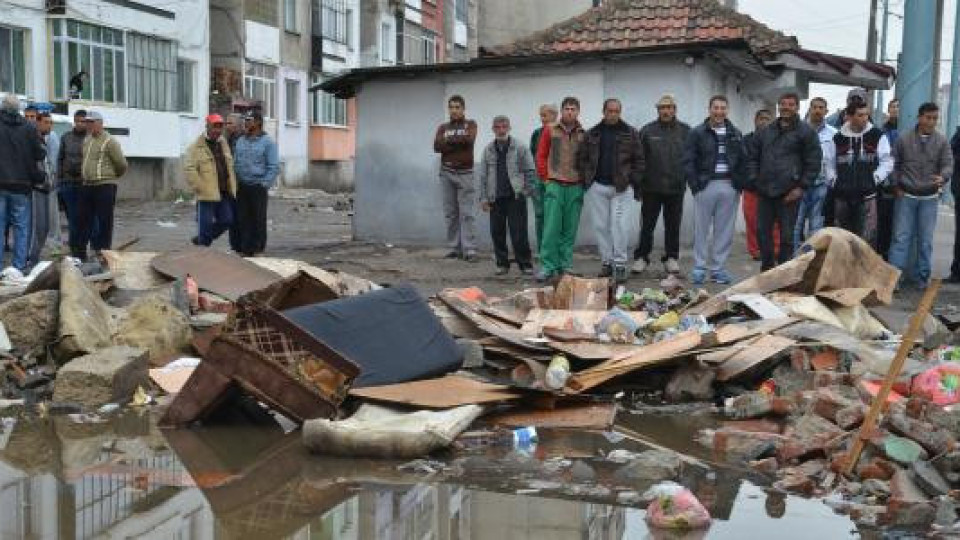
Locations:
(221, 273)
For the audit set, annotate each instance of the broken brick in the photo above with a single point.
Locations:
(828, 402)
(795, 481)
(851, 417)
(782, 406)
(908, 505)
(831, 378)
(765, 466)
(755, 426)
(213, 303)
(734, 445)
(825, 360)
(877, 468)
(933, 439)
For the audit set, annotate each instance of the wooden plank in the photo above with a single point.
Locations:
(565, 415)
(591, 351)
(646, 356)
(846, 297)
(764, 348)
(732, 333)
(443, 393)
(896, 366)
(495, 328)
(760, 305)
(720, 355)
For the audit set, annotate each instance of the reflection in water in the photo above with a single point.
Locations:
(125, 479)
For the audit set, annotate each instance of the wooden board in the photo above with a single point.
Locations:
(764, 348)
(719, 356)
(846, 297)
(732, 333)
(646, 356)
(565, 415)
(222, 273)
(590, 351)
(443, 393)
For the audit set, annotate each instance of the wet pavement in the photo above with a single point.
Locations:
(124, 478)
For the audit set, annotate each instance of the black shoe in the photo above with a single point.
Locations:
(606, 270)
(453, 255)
(526, 270)
(502, 270)
(195, 240)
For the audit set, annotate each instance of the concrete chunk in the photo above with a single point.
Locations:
(106, 376)
(31, 320)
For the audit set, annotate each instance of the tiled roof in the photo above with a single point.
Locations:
(633, 24)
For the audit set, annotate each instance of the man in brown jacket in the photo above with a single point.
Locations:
(454, 142)
(208, 166)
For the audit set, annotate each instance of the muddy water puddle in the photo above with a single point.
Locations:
(124, 478)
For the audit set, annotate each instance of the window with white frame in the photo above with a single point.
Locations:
(260, 83)
(151, 73)
(387, 43)
(98, 52)
(290, 15)
(429, 48)
(13, 76)
(334, 20)
(325, 109)
(185, 85)
(292, 87)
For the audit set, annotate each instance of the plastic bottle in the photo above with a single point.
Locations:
(557, 373)
(525, 436)
(484, 438)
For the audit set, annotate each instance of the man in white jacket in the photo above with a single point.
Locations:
(862, 166)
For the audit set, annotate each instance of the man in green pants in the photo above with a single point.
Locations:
(548, 116)
(557, 162)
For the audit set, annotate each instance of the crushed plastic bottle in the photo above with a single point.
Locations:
(524, 437)
(557, 373)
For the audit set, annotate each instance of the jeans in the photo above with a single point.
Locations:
(15, 214)
(650, 207)
(215, 218)
(809, 214)
(858, 216)
(459, 210)
(562, 206)
(771, 210)
(915, 220)
(608, 210)
(717, 211)
(251, 219)
(95, 205)
(509, 214)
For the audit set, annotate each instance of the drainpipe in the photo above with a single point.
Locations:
(914, 85)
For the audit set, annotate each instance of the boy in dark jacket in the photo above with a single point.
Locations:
(713, 163)
(784, 159)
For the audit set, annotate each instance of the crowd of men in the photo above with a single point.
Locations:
(794, 175)
(230, 167)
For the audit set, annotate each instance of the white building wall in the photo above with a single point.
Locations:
(28, 15)
(292, 137)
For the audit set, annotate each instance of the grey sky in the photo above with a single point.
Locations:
(840, 27)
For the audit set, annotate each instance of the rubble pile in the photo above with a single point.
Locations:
(813, 380)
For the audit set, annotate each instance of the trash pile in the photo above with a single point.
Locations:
(816, 382)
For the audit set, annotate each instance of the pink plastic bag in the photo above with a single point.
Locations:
(940, 384)
(675, 507)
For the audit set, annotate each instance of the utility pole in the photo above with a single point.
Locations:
(883, 53)
(952, 111)
(916, 76)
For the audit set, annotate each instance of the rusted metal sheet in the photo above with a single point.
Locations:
(565, 415)
(443, 393)
(268, 356)
(222, 273)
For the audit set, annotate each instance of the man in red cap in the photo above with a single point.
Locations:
(208, 166)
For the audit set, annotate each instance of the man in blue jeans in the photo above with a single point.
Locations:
(922, 162)
(810, 212)
(19, 155)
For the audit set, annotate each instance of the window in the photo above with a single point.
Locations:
(315, 27)
(185, 70)
(260, 83)
(293, 100)
(334, 20)
(348, 32)
(151, 73)
(461, 11)
(96, 50)
(387, 41)
(326, 109)
(261, 11)
(290, 15)
(429, 48)
(12, 62)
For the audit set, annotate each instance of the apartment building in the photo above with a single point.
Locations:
(145, 70)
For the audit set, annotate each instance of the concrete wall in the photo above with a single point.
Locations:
(503, 21)
(394, 150)
(332, 176)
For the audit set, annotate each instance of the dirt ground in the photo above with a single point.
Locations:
(315, 227)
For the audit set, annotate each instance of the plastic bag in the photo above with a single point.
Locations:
(940, 384)
(618, 325)
(675, 507)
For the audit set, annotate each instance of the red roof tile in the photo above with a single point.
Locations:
(631, 24)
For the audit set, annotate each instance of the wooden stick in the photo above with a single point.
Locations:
(880, 401)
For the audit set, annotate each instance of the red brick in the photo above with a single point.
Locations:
(852, 416)
(825, 360)
(213, 303)
(765, 466)
(754, 426)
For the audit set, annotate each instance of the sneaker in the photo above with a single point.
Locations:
(606, 270)
(698, 276)
(453, 255)
(640, 266)
(620, 274)
(11, 274)
(672, 266)
(722, 277)
(502, 270)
